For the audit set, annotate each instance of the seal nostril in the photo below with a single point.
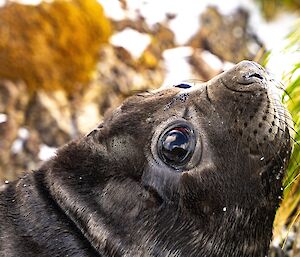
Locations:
(250, 78)
(256, 75)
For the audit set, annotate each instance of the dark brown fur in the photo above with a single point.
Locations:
(109, 194)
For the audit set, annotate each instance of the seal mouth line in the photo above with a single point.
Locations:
(234, 90)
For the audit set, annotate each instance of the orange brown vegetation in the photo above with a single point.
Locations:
(52, 45)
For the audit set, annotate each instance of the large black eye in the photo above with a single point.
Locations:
(176, 146)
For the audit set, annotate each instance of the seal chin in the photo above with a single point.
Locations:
(283, 116)
(280, 120)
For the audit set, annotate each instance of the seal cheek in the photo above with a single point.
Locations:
(161, 180)
(195, 194)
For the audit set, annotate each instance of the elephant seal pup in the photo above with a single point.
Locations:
(192, 170)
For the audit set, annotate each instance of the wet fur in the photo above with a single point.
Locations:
(106, 195)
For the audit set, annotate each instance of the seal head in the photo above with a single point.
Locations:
(192, 170)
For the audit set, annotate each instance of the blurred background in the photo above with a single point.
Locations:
(65, 63)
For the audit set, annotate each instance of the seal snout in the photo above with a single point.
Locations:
(250, 72)
(254, 104)
(246, 76)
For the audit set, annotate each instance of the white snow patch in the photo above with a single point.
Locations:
(274, 34)
(153, 10)
(3, 117)
(46, 152)
(113, 9)
(212, 60)
(17, 145)
(23, 133)
(187, 22)
(132, 40)
(227, 65)
(280, 63)
(177, 66)
(85, 122)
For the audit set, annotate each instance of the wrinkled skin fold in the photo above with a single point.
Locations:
(111, 193)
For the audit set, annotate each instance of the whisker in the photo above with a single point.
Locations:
(287, 117)
(293, 158)
(282, 163)
(282, 87)
(277, 83)
(293, 139)
(278, 104)
(293, 172)
(285, 122)
(275, 153)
